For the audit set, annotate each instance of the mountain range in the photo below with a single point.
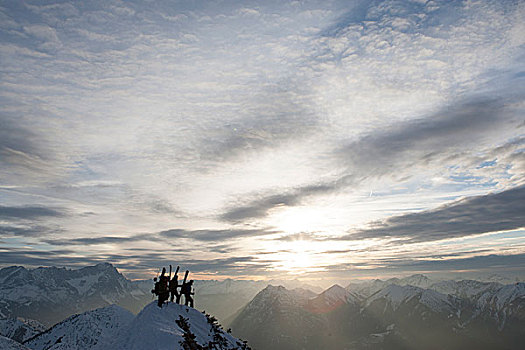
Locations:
(51, 294)
(377, 315)
(414, 312)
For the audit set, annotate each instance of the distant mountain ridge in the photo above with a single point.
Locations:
(51, 294)
(444, 315)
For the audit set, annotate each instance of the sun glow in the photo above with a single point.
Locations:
(297, 257)
(303, 219)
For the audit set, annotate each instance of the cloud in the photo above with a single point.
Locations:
(25, 154)
(153, 117)
(24, 231)
(481, 262)
(213, 235)
(306, 236)
(259, 207)
(419, 142)
(470, 216)
(492, 263)
(276, 114)
(29, 212)
(99, 240)
(397, 149)
(60, 257)
(16, 140)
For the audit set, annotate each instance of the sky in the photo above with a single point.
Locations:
(317, 140)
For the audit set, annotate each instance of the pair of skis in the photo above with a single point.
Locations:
(177, 271)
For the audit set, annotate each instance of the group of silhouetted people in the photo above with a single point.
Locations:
(166, 286)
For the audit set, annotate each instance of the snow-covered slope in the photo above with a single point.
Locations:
(84, 331)
(168, 327)
(465, 288)
(10, 344)
(396, 295)
(112, 328)
(18, 330)
(507, 295)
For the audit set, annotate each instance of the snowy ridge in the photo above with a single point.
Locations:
(10, 344)
(396, 295)
(335, 294)
(281, 296)
(370, 287)
(418, 280)
(157, 328)
(507, 294)
(113, 327)
(17, 330)
(84, 331)
(465, 288)
(331, 299)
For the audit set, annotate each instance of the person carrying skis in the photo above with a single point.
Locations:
(186, 290)
(162, 290)
(174, 284)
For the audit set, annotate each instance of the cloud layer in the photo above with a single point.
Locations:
(334, 128)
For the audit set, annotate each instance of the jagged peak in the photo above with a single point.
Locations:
(274, 289)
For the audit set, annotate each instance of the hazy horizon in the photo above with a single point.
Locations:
(318, 140)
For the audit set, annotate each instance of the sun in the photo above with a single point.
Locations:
(296, 257)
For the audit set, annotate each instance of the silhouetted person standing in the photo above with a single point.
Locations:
(163, 290)
(186, 290)
(174, 284)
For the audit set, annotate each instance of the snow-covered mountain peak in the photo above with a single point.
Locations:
(280, 294)
(417, 280)
(331, 299)
(336, 294)
(395, 294)
(169, 327)
(83, 331)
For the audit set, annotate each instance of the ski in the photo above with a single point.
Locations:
(185, 276)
